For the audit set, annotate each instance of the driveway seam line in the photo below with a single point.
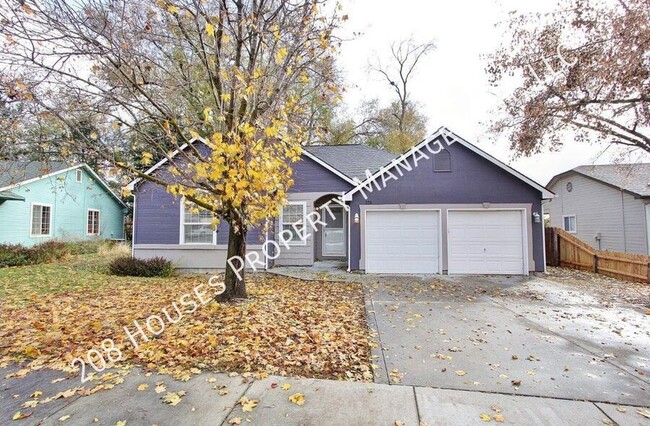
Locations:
(235, 404)
(53, 413)
(525, 395)
(417, 407)
(604, 413)
(381, 346)
(647, 382)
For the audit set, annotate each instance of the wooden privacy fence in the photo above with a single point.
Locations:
(564, 249)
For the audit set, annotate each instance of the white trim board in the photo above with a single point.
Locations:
(328, 167)
(131, 185)
(31, 220)
(302, 241)
(99, 222)
(446, 134)
(181, 237)
(82, 165)
(160, 163)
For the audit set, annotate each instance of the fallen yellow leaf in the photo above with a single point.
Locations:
(247, 405)
(297, 398)
(285, 386)
(486, 417)
(143, 386)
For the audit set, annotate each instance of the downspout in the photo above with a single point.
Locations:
(266, 239)
(133, 229)
(544, 234)
(349, 212)
(623, 221)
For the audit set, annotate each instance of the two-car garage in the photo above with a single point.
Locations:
(477, 241)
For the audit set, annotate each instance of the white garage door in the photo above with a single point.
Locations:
(486, 242)
(402, 241)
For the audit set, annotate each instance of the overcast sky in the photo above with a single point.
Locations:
(451, 84)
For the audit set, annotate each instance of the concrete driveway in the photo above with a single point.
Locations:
(524, 336)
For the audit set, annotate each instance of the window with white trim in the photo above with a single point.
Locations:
(41, 220)
(570, 224)
(78, 175)
(197, 225)
(92, 222)
(293, 220)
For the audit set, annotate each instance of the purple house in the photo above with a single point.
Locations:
(444, 206)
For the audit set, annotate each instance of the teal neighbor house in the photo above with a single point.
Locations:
(55, 201)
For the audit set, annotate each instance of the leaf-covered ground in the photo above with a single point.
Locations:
(51, 314)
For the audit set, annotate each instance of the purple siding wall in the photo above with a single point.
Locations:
(157, 216)
(309, 176)
(473, 180)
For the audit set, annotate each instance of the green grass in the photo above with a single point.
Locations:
(74, 273)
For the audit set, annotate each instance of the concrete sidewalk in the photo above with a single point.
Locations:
(212, 399)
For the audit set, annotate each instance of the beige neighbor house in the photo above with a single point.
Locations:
(607, 206)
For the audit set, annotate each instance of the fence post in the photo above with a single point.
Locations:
(595, 263)
(648, 272)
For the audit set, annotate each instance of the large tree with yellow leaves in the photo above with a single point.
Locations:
(231, 74)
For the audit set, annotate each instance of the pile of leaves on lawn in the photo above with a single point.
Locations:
(286, 327)
(19, 255)
(129, 266)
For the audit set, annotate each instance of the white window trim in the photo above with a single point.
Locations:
(78, 175)
(302, 241)
(575, 231)
(31, 220)
(99, 222)
(181, 240)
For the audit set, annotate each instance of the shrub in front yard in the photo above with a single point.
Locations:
(14, 255)
(19, 255)
(154, 267)
(84, 247)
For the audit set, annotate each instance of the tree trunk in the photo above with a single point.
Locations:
(235, 285)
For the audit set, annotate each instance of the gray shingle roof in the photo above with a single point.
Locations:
(13, 172)
(634, 178)
(352, 160)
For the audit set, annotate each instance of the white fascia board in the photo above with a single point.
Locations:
(328, 167)
(546, 194)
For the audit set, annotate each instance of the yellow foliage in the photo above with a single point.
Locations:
(280, 54)
(209, 28)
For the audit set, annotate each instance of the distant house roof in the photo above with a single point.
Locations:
(17, 173)
(352, 160)
(632, 178)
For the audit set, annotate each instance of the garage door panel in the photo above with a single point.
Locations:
(402, 241)
(485, 242)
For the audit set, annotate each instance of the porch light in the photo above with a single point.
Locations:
(356, 218)
(536, 217)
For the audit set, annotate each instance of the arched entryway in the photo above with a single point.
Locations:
(331, 241)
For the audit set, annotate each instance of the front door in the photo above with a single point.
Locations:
(334, 232)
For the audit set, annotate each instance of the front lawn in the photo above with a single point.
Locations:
(53, 313)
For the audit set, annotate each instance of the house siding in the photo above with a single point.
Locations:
(472, 182)
(600, 208)
(70, 201)
(309, 176)
(157, 223)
